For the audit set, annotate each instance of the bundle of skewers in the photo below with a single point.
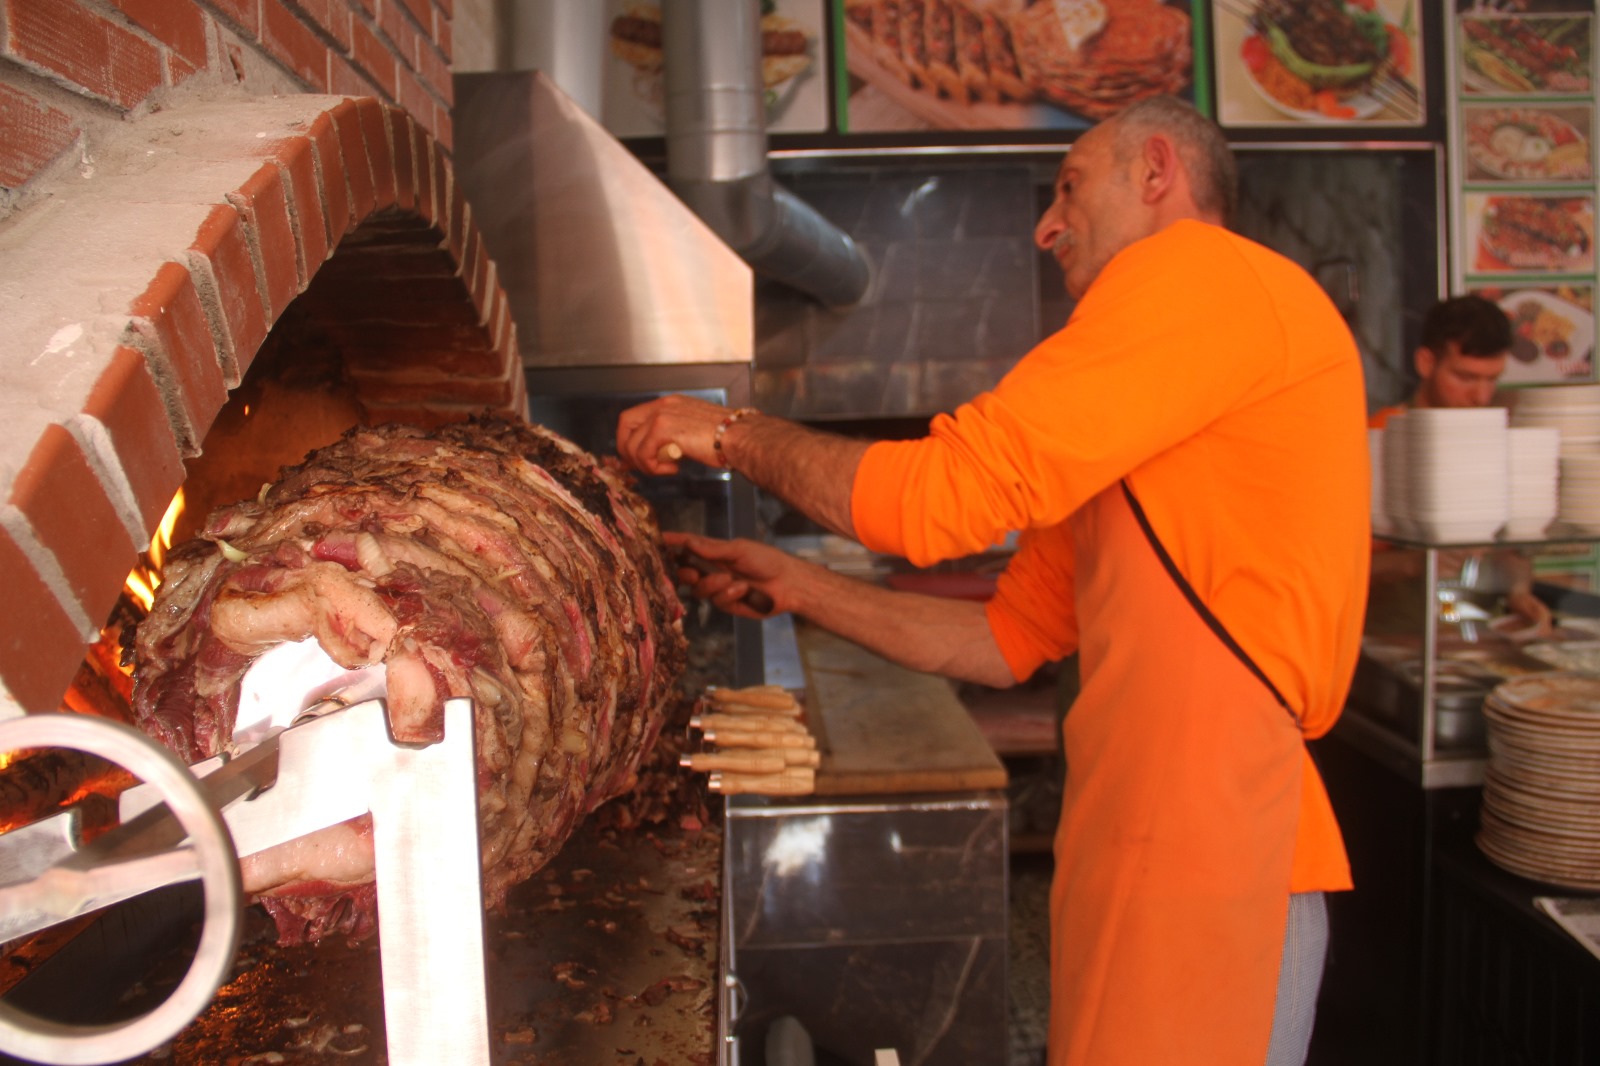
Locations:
(759, 742)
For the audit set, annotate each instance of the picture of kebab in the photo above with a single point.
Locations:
(636, 40)
(1528, 54)
(1533, 233)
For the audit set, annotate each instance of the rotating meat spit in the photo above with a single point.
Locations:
(188, 823)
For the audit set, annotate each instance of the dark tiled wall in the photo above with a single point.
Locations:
(952, 304)
(959, 292)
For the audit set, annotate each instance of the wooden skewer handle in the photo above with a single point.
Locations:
(759, 722)
(744, 738)
(748, 762)
(730, 707)
(766, 696)
(670, 450)
(794, 782)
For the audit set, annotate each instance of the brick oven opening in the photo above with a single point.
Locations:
(309, 259)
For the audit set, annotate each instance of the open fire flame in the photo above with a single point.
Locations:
(145, 578)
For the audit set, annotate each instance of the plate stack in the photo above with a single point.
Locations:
(1572, 409)
(1391, 451)
(1445, 473)
(1541, 790)
(1533, 465)
(1380, 508)
(1580, 489)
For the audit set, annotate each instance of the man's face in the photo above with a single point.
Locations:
(1094, 214)
(1450, 379)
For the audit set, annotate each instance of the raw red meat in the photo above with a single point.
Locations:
(485, 559)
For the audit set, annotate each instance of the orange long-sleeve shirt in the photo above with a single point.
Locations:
(1213, 374)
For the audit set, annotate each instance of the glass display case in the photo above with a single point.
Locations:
(1439, 636)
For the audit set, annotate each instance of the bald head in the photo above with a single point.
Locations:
(1202, 149)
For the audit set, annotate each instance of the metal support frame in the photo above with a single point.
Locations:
(424, 806)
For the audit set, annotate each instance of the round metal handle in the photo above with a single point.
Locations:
(211, 850)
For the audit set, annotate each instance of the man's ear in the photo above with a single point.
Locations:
(1162, 170)
(1426, 361)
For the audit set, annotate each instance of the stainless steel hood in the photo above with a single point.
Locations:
(602, 264)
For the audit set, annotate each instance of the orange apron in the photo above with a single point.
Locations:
(1178, 824)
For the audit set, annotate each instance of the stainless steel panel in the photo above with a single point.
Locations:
(601, 263)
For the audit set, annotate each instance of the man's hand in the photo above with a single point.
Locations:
(747, 565)
(810, 470)
(1531, 616)
(926, 633)
(646, 433)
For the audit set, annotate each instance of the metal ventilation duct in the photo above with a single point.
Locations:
(717, 153)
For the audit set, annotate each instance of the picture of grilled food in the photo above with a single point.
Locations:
(1090, 57)
(636, 40)
(1330, 60)
(1527, 143)
(1526, 54)
(1536, 233)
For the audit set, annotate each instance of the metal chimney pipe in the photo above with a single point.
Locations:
(717, 153)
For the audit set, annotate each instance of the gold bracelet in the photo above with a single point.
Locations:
(722, 427)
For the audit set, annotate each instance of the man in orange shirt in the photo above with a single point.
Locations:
(1186, 462)
(1466, 341)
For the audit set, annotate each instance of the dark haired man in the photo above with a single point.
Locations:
(1465, 343)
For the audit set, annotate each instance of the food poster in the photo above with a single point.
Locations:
(1552, 331)
(1534, 143)
(1319, 62)
(794, 67)
(1526, 48)
(1528, 233)
(1008, 64)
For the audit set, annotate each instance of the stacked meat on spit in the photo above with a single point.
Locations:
(488, 559)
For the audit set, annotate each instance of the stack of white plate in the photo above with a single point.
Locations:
(1573, 409)
(1449, 484)
(1580, 489)
(1541, 789)
(1533, 465)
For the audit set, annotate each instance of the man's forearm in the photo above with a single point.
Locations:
(931, 634)
(811, 471)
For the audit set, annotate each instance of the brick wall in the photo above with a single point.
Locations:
(66, 65)
(181, 173)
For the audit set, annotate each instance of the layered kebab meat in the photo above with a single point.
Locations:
(487, 559)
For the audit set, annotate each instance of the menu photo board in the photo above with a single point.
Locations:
(1320, 63)
(794, 67)
(1533, 142)
(1528, 233)
(1007, 65)
(1552, 329)
(1526, 48)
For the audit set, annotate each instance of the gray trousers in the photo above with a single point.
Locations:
(1305, 949)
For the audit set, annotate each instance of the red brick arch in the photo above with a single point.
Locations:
(136, 301)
